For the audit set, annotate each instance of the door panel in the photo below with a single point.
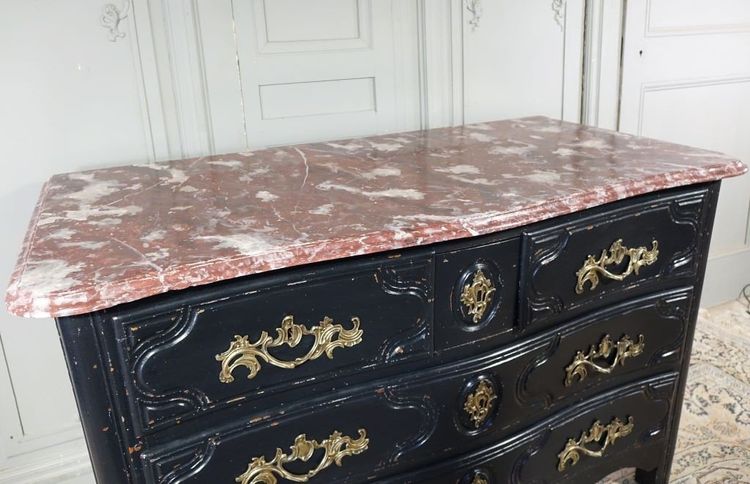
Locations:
(522, 58)
(328, 69)
(686, 78)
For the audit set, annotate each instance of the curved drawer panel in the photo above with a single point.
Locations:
(446, 410)
(590, 261)
(253, 338)
(476, 293)
(624, 428)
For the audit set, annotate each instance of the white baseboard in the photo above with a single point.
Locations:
(726, 275)
(67, 463)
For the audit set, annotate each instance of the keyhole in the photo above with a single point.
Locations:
(640, 52)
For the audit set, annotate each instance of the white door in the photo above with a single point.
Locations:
(326, 69)
(522, 58)
(686, 78)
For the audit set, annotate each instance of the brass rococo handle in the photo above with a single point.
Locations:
(625, 348)
(575, 448)
(335, 448)
(327, 337)
(593, 268)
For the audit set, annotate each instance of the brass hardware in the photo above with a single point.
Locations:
(477, 296)
(592, 268)
(479, 403)
(625, 348)
(574, 448)
(479, 479)
(335, 448)
(242, 352)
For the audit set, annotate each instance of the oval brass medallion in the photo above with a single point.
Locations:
(479, 403)
(477, 296)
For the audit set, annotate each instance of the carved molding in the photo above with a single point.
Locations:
(673, 307)
(657, 393)
(411, 281)
(150, 340)
(429, 417)
(474, 7)
(185, 463)
(156, 405)
(558, 8)
(685, 214)
(111, 17)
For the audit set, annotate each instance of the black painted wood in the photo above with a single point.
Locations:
(153, 409)
(153, 353)
(498, 261)
(533, 455)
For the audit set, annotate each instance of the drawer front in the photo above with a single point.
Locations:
(624, 428)
(476, 291)
(589, 261)
(236, 343)
(446, 410)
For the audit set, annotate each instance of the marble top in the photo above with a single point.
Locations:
(104, 237)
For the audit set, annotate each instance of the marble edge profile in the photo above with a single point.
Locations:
(26, 303)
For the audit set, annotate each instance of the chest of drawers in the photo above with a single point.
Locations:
(553, 349)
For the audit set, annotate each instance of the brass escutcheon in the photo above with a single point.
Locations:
(479, 403)
(477, 296)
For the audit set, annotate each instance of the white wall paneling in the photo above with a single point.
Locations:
(601, 67)
(441, 51)
(686, 78)
(522, 58)
(349, 74)
(73, 84)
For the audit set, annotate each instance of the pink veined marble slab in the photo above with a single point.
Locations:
(105, 237)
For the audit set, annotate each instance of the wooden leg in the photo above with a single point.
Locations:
(647, 477)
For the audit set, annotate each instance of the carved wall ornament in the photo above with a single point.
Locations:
(558, 7)
(474, 7)
(111, 17)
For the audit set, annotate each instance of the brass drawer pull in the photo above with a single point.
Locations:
(592, 268)
(611, 432)
(479, 403)
(328, 337)
(625, 348)
(477, 296)
(335, 448)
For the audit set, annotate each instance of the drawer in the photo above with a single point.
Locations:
(627, 426)
(476, 293)
(443, 411)
(236, 342)
(615, 252)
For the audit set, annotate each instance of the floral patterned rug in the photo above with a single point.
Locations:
(713, 444)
